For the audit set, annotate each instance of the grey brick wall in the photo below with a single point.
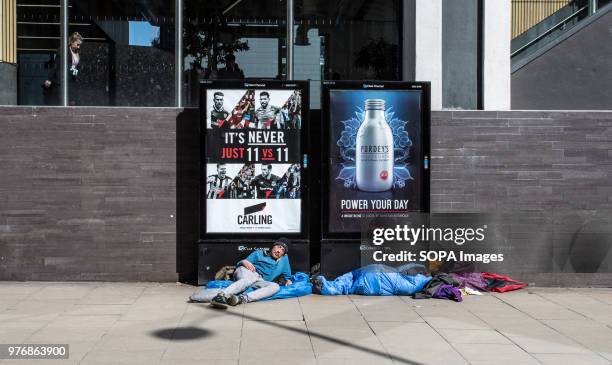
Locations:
(87, 194)
(93, 193)
(548, 173)
(521, 160)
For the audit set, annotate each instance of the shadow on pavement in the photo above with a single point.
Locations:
(182, 333)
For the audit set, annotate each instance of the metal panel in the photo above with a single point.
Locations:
(8, 31)
(527, 13)
(64, 51)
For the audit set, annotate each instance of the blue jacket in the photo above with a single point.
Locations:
(267, 267)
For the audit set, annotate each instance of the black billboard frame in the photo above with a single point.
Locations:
(326, 87)
(256, 84)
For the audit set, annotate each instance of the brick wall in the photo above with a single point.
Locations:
(87, 194)
(521, 160)
(548, 173)
(93, 193)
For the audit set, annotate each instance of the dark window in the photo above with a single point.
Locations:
(254, 32)
(127, 54)
(127, 57)
(346, 40)
(38, 38)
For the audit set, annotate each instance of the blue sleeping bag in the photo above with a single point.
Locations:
(301, 286)
(373, 280)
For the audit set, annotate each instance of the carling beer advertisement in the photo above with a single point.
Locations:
(252, 171)
(375, 160)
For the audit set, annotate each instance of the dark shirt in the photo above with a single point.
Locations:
(265, 187)
(52, 94)
(219, 117)
(54, 74)
(240, 188)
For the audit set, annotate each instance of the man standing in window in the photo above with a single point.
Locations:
(51, 86)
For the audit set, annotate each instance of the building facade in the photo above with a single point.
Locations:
(153, 53)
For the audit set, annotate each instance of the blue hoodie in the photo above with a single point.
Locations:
(267, 267)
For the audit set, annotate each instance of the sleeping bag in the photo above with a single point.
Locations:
(373, 280)
(501, 284)
(301, 286)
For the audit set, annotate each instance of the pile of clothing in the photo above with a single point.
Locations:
(454, 286)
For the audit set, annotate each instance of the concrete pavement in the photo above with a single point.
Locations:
(151, 323)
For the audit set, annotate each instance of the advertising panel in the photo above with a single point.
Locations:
(377, 154)
(252, 172)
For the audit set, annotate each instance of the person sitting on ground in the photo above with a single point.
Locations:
(261, 270)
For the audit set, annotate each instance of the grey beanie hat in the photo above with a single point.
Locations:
(283, 242)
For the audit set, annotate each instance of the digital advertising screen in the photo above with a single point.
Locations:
(252, 178)
(377, 152)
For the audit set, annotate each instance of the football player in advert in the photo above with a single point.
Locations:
(265, 183)
(240, 187)
(218, 115)
(217, 184)
(267, 115)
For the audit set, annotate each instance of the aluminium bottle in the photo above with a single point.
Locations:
(374, 151)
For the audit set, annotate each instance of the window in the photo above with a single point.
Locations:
(38, 39)
(254, 32)
(127, 48)
(127, 54)
(346, 40)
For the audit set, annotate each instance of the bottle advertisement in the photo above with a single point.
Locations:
(375, 156)
(252, 169)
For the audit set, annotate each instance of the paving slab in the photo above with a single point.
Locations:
(595, 336)
(416, 343)
(474, 336)
(383, 309)
(276, 310)
(493, 352)
(199, 362)
(20, 290)
(113, 294)
(63, 291)
(353, 361)
(603, 295)
(571, 359)
(35, 311)
(345, 342)
(285, 337)
(537, 305)
(584, 305)
(100, 357)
